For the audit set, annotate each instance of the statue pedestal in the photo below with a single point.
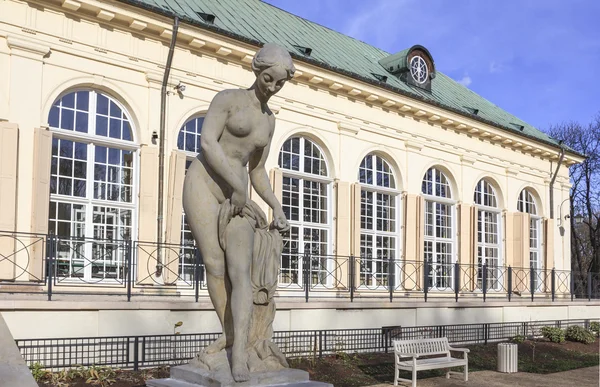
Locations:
(190, 376)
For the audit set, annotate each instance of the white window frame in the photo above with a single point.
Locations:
(184, 249)
(483, 209)
(374, 233)
(433, 239)
(528, 200)
(93, 140)
(301, 224)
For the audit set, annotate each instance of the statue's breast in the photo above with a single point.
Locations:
(239, 124)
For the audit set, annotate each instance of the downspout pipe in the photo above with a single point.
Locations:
(560, 160)
(161, 151)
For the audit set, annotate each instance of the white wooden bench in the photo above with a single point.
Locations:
(408, 357)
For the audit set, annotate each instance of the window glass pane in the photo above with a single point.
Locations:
(189, 138)
(83, 100)
(81, 122)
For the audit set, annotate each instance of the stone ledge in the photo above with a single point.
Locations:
(82, 303)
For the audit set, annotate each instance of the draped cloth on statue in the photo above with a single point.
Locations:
(263, 354)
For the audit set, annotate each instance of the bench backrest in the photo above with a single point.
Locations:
(437, 346)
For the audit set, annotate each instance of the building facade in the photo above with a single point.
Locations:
(378, 177)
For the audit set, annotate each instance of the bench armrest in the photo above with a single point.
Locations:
(459, 349)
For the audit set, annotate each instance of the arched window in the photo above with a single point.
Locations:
(92, 185)
(488, 235)
(439, 242)
(188, 141)
(305, 201)
(527, 204)
(378, 221)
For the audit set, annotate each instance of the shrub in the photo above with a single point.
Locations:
(595, 327)
(38, 372)
(579, 334)
(555, 335)
(518, 339)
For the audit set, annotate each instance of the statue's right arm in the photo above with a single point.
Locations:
(212, 129)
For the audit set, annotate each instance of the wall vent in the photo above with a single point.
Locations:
(380, 78)
(304, 50)
(207, 17)
(472, 110)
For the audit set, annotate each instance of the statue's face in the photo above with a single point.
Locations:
(271, 80)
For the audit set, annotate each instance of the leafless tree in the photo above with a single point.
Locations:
(584, 195)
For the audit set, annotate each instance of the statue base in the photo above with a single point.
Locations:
(190, 376)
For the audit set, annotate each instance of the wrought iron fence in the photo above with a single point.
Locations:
(52, 265)
(150, 351)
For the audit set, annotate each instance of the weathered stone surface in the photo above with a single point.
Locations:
(199, 376)
(13, 370)
(177, 383)
(240, 247)
(190, 376)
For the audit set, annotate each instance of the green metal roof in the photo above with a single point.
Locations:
(256, 22)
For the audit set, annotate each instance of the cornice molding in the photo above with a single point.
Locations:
(348, 127)
(26, 48)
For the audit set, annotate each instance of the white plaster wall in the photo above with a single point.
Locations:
(128, 65)
(92, 323)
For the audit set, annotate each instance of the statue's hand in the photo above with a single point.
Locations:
(238, 202)
(280, 222)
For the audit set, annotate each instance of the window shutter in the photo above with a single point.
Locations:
(355, 213)
(174, 213)
(42, 156)
(9, 136)
(276, 177)
(148, 213)
(413, 241)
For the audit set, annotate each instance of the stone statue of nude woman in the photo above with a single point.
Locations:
(240, 249)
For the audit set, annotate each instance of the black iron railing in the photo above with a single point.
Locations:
(34, 263)
(150, 351)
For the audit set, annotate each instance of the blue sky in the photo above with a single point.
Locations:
(537, 59)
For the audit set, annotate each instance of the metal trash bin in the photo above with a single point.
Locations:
(508, 358)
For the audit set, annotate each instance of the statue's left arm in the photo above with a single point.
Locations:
(260, 182)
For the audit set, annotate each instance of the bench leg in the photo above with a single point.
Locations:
(448, 374)
(414, 377)
(396, 376)
(466, 372)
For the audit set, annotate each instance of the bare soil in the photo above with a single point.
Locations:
(358, 370)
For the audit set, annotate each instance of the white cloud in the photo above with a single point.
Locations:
(465, 81)
(375, 20)
(496, 67)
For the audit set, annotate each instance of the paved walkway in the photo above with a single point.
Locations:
(584, 377)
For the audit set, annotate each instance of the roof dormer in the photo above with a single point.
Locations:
(414, 66)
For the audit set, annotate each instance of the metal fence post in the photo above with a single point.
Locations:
(50, 258)
(589, 285)
(197, 273)
(484, 281)
(352, 275)
(532, 282)
(553, 283)
(306, 270)
(572, 286)
(425, 279)
(486, 332)
(320, 344)
(136, 353)
(128, 254)
(456, 280)
(391, 279)
(509, 283)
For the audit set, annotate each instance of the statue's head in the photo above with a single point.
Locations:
(272, 66)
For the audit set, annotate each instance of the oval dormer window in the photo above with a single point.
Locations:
(418, 69)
